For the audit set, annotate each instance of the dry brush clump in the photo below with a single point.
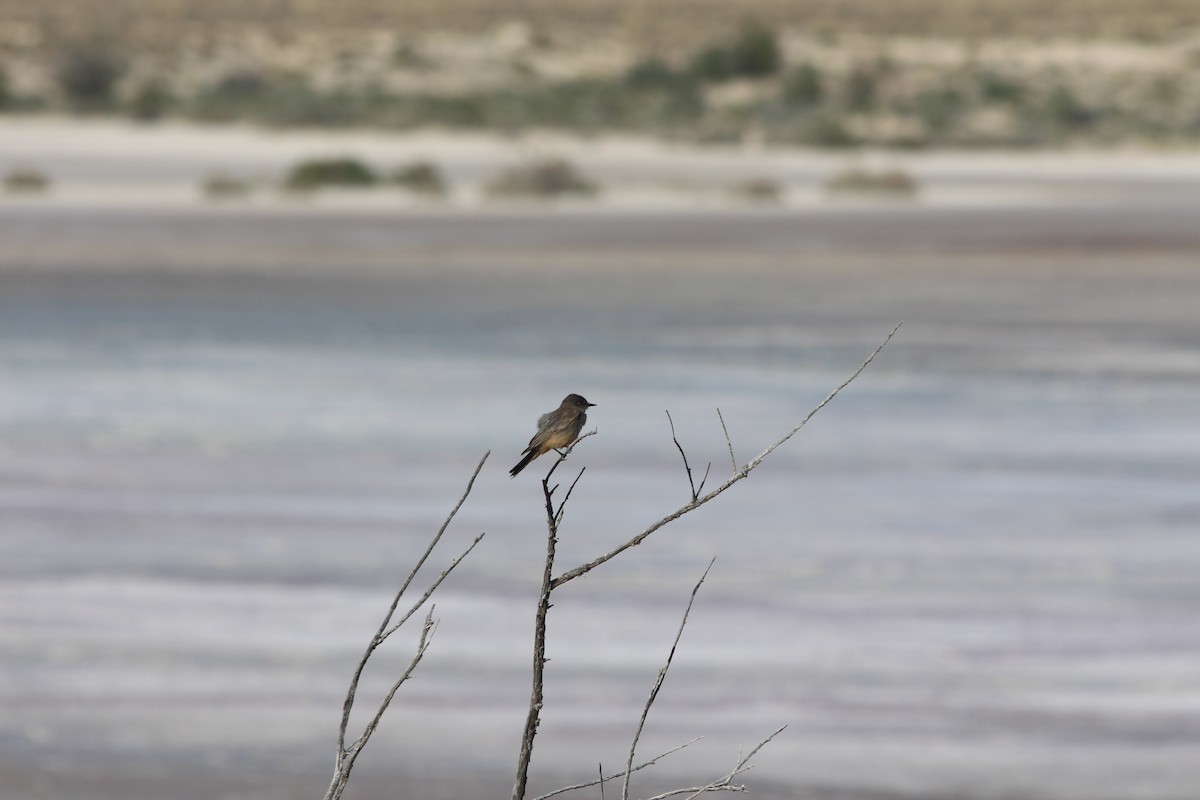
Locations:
(541, 179)
(26, 180)
(421, 177)
(892, 182)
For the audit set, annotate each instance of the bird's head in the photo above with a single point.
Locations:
(577, 401)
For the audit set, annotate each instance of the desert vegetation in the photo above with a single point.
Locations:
(318, 173)
(223, 186)
(25, 180)
(807, 73)
(860, 181)
(421, 177)
(540, 179)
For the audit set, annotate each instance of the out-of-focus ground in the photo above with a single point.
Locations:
(910, 75)
(111, 165)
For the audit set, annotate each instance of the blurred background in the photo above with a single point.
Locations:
(275, 275)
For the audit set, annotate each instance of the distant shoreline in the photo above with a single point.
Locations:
(110, 163)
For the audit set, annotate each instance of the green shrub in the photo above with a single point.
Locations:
(995, 88)
(754, 52)
(938, 108)
(241, 85)
(860, 91)
(237, 95)
(827, 130)
(87, 74)
(1064, 111)
(284, 101)
(803, 86)
(152, 101)
(316, 173)
(651, 73)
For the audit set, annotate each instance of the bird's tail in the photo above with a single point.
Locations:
(530, 455)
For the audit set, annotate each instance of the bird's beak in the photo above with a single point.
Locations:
(591, 404)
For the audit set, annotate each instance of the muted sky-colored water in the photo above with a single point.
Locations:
(974, 571)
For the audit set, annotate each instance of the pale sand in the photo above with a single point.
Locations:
(116, 163)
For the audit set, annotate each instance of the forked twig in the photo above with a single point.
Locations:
(725, 782)
(615, 775)
(432, 588)
(687, 467)
(558, 515)
(346, 755)
(737, 476)
(550, 583)
(349, 755)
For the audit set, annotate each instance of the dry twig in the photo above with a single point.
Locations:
(737, 476)
(601, 780)
(550, 583)
(348, 754)
(725, 782)
(533, 717)
(658, 682)
(687, 467)
(728, 441)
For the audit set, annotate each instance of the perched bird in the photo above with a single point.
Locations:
(555, 429)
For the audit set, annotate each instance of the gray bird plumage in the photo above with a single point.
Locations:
(555, 429)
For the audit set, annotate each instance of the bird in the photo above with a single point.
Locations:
(555, 429)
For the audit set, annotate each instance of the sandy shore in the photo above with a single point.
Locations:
(115, 163)
(128, 196)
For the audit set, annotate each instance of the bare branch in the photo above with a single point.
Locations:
(759, 458)
(343, 761)
(347, 757)
(533, 716)
(686, 467)
(616, 775)
(728, 441)
(427, 631)
(737, 476)
(432, 588)
(558, 515)
(725, 782)
(658, 682)
(565, 453)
